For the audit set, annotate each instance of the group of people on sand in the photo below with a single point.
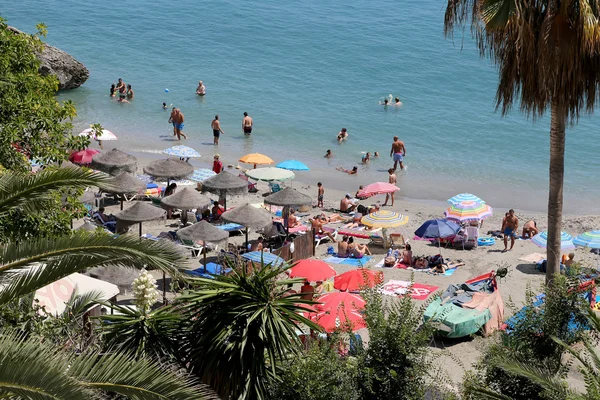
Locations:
(125, 92)
(510, 226)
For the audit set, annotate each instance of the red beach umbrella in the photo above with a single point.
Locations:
(355, 279)
(312, 270)
(377, 188)
(330, 320)
(335, 300)
(83, 156)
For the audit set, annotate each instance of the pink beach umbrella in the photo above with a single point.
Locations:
(377, 188)
(83, 156)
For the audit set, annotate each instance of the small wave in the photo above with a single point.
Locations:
(153, 151)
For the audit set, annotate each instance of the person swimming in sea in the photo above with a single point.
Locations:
(376, 154)
(113, 90)
(328, 154)
(352, 171)
(201, 89)
(164, 106)
(343, 135)
(365, 158)
(397, 102)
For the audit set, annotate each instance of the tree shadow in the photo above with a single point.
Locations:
(529, 269)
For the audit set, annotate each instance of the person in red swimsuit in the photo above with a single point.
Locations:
(217, 164)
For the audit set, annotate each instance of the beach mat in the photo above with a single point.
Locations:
(533, 257)
(357, 262)
(418, 291)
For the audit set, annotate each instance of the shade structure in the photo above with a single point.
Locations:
(437, 228)
(205, 232)
(377, 188)
(124, 183)
(468, 211)
(88, 226)
(114, 162)
(270, 174)
(335, 300)
(384, 219)
(140, 212)
(312, 270)
(288, 197)
(182, 151)
(566, 240)
(293, 165)
(169, 169)
(224, 184)
(331, 320)
(105, 135)
(588, 239)
(356, 279)
(186, 199)
(459, 198)
(248, 216)
(202, 174)
(256, 159)
(88, 197)
(83, 157)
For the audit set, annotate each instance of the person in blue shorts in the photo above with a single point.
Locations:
(510, 224)
(398, 152)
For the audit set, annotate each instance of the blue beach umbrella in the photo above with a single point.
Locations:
(566, 240)
(181, 151)
(437, 228)
(459, 198)
(588, 239)
(293, 165)
(202, 174)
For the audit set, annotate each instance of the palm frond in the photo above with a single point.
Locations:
(79, 304)
(482, 393)
(29, 266)
(30, 192)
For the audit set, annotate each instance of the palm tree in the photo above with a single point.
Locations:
(241, 327)
(547, 54)
(35, 370)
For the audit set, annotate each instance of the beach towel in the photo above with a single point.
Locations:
(418, 291)
(448, 272)
(533, 257)
(357, 262)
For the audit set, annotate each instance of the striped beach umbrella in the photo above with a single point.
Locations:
(588, 239)
(468, 211)
(459, 198)
(566, 240)
(181, 151)
(202, 174)
(384, 219)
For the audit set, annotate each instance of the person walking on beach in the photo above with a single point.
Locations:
(178, 124)
(171, 120)
(201, 89)
(398, 152)
(217, 131)
(247, 124)
(320, 194)
(392, 180)
(509, 228)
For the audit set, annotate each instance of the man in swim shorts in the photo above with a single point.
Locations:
(398, 152)
(178, 124)
(509, 228)
(247, 124)
(217, 131)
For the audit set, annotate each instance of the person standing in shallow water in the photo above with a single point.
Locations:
(178, 119)
(217, 131)
(247, 124)
(398, 152)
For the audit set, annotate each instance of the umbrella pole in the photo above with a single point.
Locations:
(204, 250)
(140, 229)
(121, 203)
(164, 288)
(246, 238)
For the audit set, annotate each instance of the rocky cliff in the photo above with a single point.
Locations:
(70, 72)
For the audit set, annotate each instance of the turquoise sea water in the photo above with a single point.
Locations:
(303, 70)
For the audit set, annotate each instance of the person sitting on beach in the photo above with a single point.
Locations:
(509, 228)
(203, 215)
(352, 171)
(216, 211)
(342, 247)
(366, 158)
(328, 154)
(407, 256)
(346, 204)
(317, 226)
(343, 135)
(130, 93)
(319, 288)
(201, 89)
(258, 245)
(357, 194)
(421, 263)
(307, 291)
(530, 229)
(113, 90)
(292, 219)
(102, 217)
(357, 250)
(217, 164)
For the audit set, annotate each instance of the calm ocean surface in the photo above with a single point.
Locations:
(303, 70)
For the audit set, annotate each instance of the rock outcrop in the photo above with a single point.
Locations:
(70, 72)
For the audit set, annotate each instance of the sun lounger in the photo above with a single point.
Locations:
(231, 227)
(268, 258)
(324, 237)
(211, 270)
(275, 187)
(251, 185)
(194, 247)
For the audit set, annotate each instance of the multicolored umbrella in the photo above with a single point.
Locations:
(588, 239)
(256, 159)
(468, 211)
(83, 156)
(182, 151)
(355, 279)
(459, 198)
(384, 219)
(105, 135)
(377, 188)
(312, 270)
(566, 240)
(202, 174)
(270, 174)
(293, 165)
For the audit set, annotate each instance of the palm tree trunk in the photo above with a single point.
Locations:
(555, 195)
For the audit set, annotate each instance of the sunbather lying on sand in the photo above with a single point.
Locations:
(331, 218)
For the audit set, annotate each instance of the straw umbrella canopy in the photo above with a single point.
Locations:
(224, 184)
(286, 198)
(88, 226)
(88, 197)
(186, 199)
(124, 183)
(140, 212)
(248, 216)
(114, 162)
(205, 232)
(169, 169)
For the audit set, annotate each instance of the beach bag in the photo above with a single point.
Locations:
(330, 250)
(436, 260)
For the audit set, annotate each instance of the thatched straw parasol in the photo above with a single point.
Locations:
(169, 169)
(205, 232)
(124, 183)
(114, 162)
(88, 226)
(186, 199)
(248, 216)
(140, 212)
(224, 184)
(287, 198)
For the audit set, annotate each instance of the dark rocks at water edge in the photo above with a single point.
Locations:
(70, 72)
